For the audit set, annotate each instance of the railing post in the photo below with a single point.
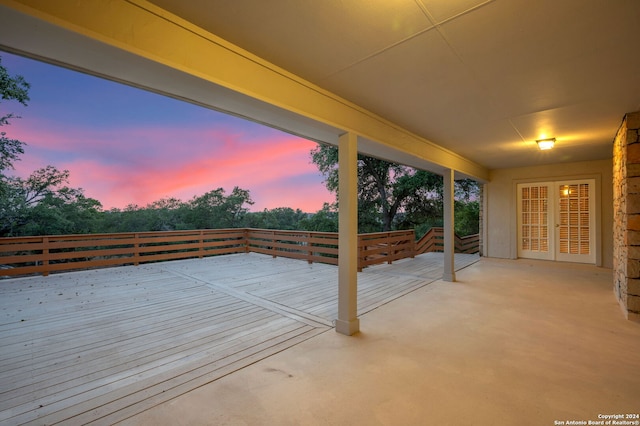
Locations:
(45, 256)
(361, 250)
(309, 249)
(391, 251)
(136, 249)
(412, 243)
(201, 245)
(273, 242)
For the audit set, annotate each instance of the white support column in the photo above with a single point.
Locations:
(449, 232)
(347, 322)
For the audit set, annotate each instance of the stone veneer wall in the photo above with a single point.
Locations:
(626, 216)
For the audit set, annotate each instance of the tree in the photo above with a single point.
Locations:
(42, 203)
(393, 196)
(467, 190)
(467, 217)
(277, 218)
(166, 214)
(384, 188)
(214, 210)
(11, 88)
(17, 89)
(56, 216)
(324, 220)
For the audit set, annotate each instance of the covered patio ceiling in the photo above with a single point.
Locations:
(481, 79)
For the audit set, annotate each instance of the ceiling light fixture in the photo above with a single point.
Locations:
(545, 144)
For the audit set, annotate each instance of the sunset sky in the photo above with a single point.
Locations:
(126, 146)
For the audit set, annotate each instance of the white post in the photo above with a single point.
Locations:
(449, 232)
(347, 322)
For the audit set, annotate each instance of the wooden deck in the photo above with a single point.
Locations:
(99, 346)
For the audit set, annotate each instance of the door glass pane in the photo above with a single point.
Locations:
(574, 219)
(544, 244)
(534, 207)
(544, 192)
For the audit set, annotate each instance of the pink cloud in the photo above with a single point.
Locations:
(141, 165)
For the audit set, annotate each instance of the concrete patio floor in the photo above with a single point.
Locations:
(511, 343)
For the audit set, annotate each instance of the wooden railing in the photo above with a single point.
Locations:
(433, 241)
(46, 254)
(320, 247)
(381, 247)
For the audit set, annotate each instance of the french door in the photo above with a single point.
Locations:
(556, 221)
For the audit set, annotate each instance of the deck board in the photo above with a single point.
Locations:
(102, 345)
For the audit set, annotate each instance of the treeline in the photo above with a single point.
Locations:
(62, 210)
(43, 205)
(232, 212)
(213, 210)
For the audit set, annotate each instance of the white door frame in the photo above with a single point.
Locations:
(540, 237)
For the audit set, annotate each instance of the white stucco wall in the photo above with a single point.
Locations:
(500, 221)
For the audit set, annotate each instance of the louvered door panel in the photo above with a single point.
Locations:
(576, 223)
(533, 224)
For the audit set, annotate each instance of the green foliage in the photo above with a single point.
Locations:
(55, 216)
(214, 210)
(466, 190)
(392, 196)
(284, 218)
(131, 218)
(12, 88)
(467, 218)
(10, 150)
(324, 220)
(42, 204)
(166, 214)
